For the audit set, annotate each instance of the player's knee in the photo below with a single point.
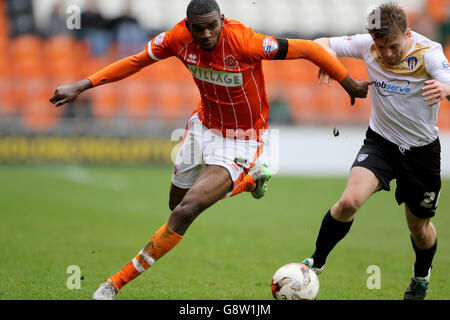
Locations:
(419, 231)
(187, 210)
(183, 214)
(348, 205)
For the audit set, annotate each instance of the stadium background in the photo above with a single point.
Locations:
(72, 176)
(39, 51)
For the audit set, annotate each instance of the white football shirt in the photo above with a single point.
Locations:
(398, 110)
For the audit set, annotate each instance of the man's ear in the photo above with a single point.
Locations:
(222, 19)
(187, 24)
(408, 33)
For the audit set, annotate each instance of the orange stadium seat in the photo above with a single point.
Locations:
(168, 101)
(4, 45)
(60, 53)
(60, 45)
(5, 65)
(8, 104)
(188, 94)
(300, 71)
(271, 81)
(26, 46)
(38, 114)
(135, 98)
(3, 17)
(355, 67)
(297, 82)
(438, 9)
(444, 116)
(330, 110)
(25, 56)
(360, 111)
(301, 98)
(338, 109)
(447, 51)
(26, 90)
(7, 85)
(175, 70)
(161, 70)
(105, 101)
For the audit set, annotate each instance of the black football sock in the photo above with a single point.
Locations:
(331, 232)
(424, 259)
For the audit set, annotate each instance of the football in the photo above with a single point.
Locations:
(295, 281)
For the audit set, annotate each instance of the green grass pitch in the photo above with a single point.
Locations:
(98, 218)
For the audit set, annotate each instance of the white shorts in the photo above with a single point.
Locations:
(204, 146)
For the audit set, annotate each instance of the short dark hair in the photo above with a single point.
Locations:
(199, 7)
(393, 21)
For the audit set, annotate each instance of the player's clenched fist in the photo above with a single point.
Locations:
(67, 93)
(356, 89)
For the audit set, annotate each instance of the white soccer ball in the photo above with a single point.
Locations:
(295, 281)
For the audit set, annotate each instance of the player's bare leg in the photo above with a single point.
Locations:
(211, 185)
(254, 182)
(176, 195)
(362, 183)
(422, 231)
(424, 242)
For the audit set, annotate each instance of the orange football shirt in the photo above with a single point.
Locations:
(230, 77)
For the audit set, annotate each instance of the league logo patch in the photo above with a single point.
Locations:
(445, 65)
(412, 62)
(361, 157)
(269, 45)
(159, 39)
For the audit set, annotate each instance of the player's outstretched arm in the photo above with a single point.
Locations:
(310, 50)
(114, 72)
(323, 76)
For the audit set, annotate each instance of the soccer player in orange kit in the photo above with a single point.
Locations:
(227, 132)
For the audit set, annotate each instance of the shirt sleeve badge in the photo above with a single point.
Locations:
(269, 45)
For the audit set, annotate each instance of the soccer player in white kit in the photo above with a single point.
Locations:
(411, 76)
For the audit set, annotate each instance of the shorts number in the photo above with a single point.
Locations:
(429, 201)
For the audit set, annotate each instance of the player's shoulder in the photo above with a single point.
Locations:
(356, 46)
(179, 34)
(237, 35)
(359, 37)
(359, 40)
(424, 41)
(236, 28)
(235, 25)
(432, 49)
